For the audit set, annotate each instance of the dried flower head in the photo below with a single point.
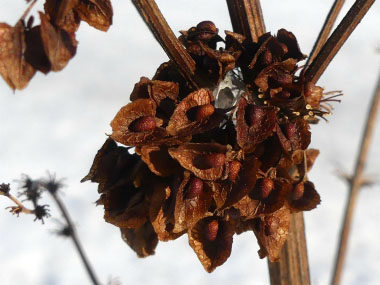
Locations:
(212, 172)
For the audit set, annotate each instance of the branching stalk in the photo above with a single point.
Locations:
(75, 238)
(337, 39)
(326, 29)
(247, 18)
(355, 184)
(157, 24)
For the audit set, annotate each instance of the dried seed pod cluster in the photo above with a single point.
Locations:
(208, 172)
(26, 49)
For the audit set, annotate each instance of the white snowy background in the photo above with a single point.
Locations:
(59, 122)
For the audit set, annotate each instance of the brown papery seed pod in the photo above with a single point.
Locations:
(233, 171)
(207, 30)
(143, 124)
(253, 114)
(298, 191)
(266, 186)
(211, 160)
(271, 224)
(198, 113)
(194, 188)
(211, 231)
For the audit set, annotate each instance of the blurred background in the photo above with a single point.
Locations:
(60, 120)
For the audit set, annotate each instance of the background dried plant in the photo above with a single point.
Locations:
(43, 98)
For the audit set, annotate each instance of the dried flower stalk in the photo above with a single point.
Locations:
(337, 39)
(247, 18)
(326, 29)
(292, 267)
(355, 185)
(157, 24)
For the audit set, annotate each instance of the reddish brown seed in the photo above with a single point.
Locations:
(266, 186)
(308, 89)
(253, 114)
(298, 191)
(194, 188)
(211, 160)
(282, 79)
(266, 58)
(198, 113)
(207, 30)
(212, 230)
(283, 94)
(143, 124)
(233, 171)
(284, 48)
(290, 130)
(271, 225)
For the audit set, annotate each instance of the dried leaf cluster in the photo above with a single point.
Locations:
(213, 161)
(26, 48)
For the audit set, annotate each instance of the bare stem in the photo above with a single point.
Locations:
(326, 29)
(20, 207)
(337, 39)
(75, 238)
(164, 35)
(247, 18)
(355, 184)
(293, 267)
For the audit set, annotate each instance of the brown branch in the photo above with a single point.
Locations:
(164, 35)
(247, 18)
(326, 29)
(75, 238)
(355, 185)
(337, 39)
(292, 268)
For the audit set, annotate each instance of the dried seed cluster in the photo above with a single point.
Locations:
(212, 172)
(49, 46)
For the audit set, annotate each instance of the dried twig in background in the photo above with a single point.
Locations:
(355, 185)
(337, 39)
(326, 30)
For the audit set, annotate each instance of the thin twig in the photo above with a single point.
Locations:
(75, 238)
(247, 18)
(164, 35)
(20, 207)
(292, 268)
(337, 39)
(355, 185)
(326, 29)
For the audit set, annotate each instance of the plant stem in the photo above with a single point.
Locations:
(247, 18)
(75, 238)
(292, 268)
(337, 39)
(157, 24)
(355, 185)
(326, 29)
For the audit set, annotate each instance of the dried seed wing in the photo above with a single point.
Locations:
(142, 240)
(211, 239)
